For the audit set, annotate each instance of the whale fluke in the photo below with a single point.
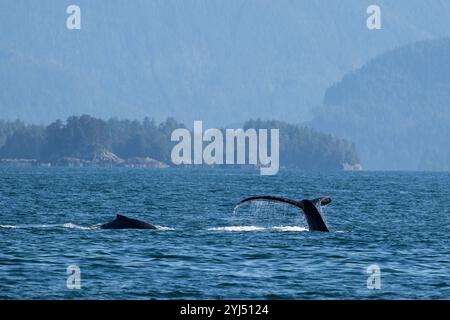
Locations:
(322, 201)
(308, 207)
(122, 222)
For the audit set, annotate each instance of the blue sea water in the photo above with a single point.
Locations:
(204, 249)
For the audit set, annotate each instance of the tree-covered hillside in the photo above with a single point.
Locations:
(396, 108)
(309, 149)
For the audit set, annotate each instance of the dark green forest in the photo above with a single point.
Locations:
(306, 148)
(83, 137)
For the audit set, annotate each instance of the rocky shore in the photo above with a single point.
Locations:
(103, 159)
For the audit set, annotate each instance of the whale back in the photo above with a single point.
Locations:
(123, 222)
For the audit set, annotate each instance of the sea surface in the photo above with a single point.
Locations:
(205, 248)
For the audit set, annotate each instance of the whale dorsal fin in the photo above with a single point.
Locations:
(121, 217)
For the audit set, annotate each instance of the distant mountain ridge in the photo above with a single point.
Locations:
(396, 108)
(217, 61)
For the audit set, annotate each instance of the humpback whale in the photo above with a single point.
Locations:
(313, 216)
(122, 222)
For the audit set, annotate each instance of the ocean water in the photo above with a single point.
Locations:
(205, 249)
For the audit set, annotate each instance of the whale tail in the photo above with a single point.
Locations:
(309, 208)
(322, 201)
(313, 216)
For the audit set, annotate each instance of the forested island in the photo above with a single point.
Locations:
(89, 141)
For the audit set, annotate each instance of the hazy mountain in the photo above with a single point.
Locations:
(396, 108)
(217, 61)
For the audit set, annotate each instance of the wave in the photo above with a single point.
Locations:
(45, 226)
(68, 225)
(7, 226)
(290, 229)
(237, 228)
(75, 226)
(31, 226)
(255, 228)
(162, 228)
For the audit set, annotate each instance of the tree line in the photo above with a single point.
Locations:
(84, 136)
